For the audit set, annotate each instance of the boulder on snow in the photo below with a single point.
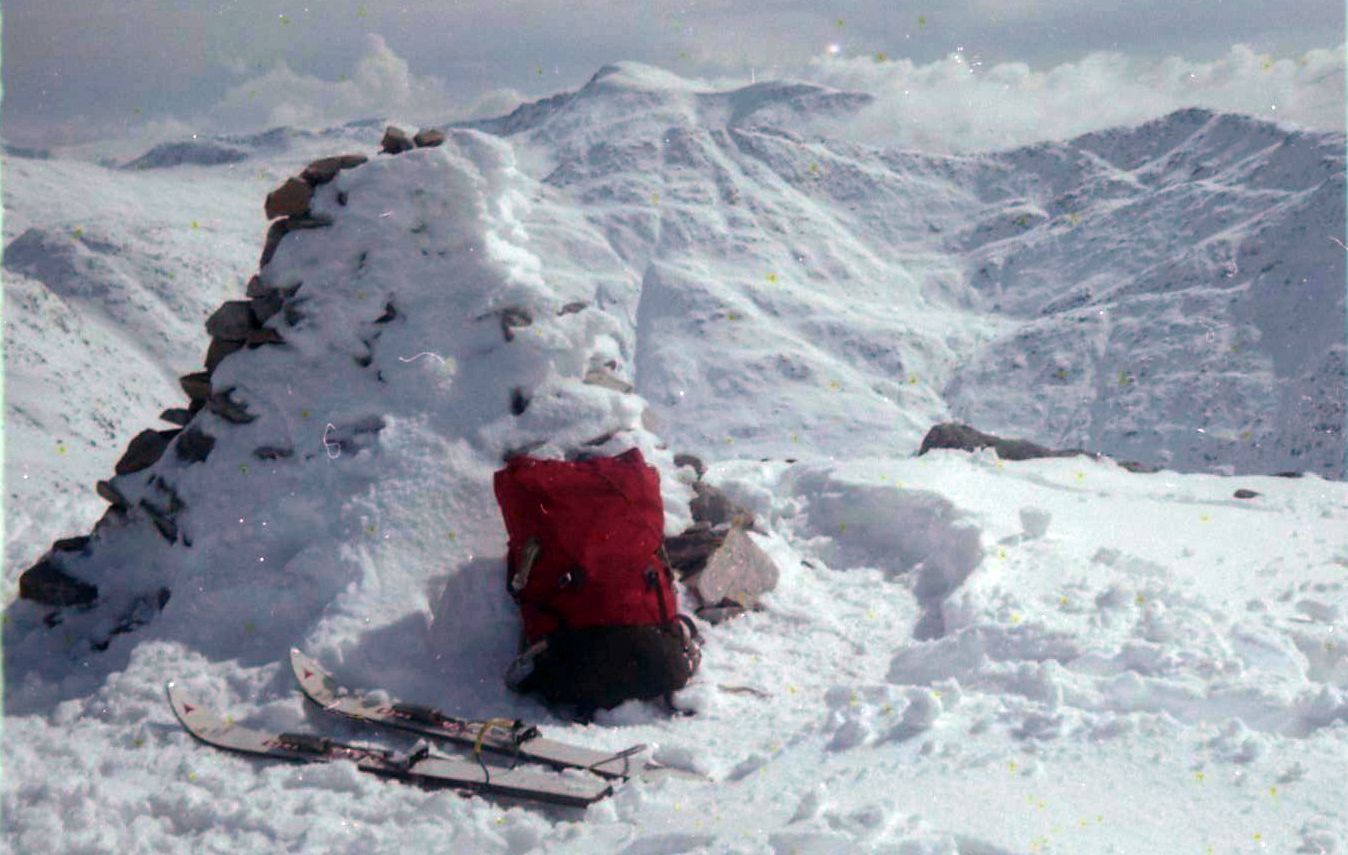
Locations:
(325, 169)
(1243, 493)
(691, 460)
(290, 199)
(395, 141)
(601, 377)
(428, 137)
(112, 495)
(219, 349)
(48, 584)
(737, 573)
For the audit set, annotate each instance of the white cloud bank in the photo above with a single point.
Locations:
(957, 104)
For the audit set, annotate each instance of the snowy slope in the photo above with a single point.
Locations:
(963, 655)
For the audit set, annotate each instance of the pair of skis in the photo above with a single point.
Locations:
(501, 737)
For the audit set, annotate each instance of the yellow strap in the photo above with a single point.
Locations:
(506, 724)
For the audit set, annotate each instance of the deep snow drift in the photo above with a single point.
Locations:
(963, 654)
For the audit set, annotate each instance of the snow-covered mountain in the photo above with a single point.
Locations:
(1103, 659)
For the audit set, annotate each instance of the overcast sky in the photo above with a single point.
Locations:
(74, 71)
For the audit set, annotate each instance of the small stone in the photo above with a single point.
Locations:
(428, 137)
(519, 402)
(112, 495)
(278, 230)
(224, 406)
(572, 308)
(161, 519)
(271, 452)
(256, 287)
(395, 141)
(514, 317)
(194, 446)
(266, 305)
(311, 221)
(197, 386)
(712, 506)
(691, 460)
(49, 585)
(266, 335)
(289, 199)
(144, 449)
(1245, 494)
(325, 169)
(232, 321)
(218, 350)
(71, 544)
(176, 416)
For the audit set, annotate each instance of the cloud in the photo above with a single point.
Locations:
(958, 104)
(381, 85)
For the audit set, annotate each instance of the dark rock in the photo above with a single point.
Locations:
(113, 517)
(162, 520)
(598, 440)
(112, 495)
(395, 141)
(270, 452)
(1140, 468)
(232, 321)
(721, 612)
(313, 221)
(266, 305)
(691, 460)
(325, 169)
(72, 544)
(277, 230)
(1245, 494)
(389, 314)
(224, 406)
(194, 445)
(428, 137)
(256, 287)
(144, 449)
(965, 438)
(176, 416)
(514, 317)
(49, 585)
(290, 199)
(1288, 474)
(266, 335)
(712, 506)
(519, 402)
(197, 386)
(218, 350)
(571, 308)
(689, 551)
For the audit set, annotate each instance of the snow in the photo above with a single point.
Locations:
(963, 655)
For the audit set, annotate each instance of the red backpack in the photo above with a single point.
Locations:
(585, 564)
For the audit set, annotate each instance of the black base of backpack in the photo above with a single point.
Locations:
(601, 667)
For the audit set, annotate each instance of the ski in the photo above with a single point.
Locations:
(502, 736)
(419, 766)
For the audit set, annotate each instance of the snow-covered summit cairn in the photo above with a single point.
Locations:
(399, 341)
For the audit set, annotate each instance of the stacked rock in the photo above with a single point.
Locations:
(234, 326)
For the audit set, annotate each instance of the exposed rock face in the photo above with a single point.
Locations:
(233, 321)
(965, 438)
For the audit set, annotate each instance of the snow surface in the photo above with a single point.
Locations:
(963, 655)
